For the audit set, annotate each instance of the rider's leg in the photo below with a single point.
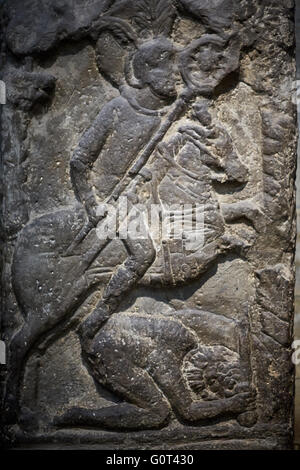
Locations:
(141, 256)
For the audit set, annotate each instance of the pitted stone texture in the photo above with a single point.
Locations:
(162, 102)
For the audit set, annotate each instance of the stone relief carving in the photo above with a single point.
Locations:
(160, 141)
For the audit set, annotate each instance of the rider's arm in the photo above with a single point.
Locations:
(86, 154)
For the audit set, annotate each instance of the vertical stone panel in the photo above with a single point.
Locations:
(122, 333)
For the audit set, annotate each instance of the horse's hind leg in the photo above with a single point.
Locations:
(34, 258)
(30, 336)
(20, 347)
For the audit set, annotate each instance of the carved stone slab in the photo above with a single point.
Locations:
(148, 337)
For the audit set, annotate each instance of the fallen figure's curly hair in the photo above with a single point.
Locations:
(213, 372)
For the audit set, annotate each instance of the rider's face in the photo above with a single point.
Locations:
(163, 77)
(158, 61)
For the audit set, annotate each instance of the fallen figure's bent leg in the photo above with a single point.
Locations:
(140, 359)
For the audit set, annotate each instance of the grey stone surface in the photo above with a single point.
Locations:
(148, 342)
(297, 287)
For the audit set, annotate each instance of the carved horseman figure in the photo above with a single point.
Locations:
(104, 156)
